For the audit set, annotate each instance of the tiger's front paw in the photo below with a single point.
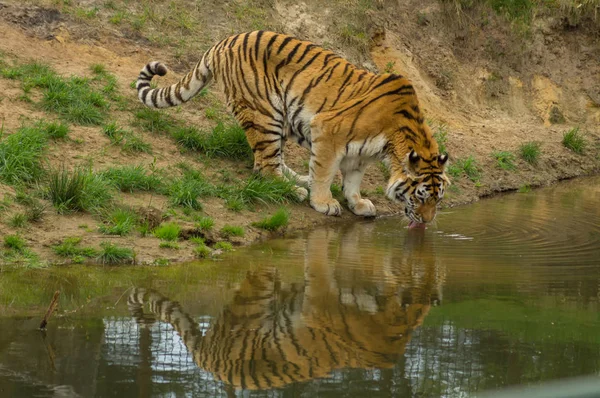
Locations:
(331, 208)
(301, 193)
(365, 208)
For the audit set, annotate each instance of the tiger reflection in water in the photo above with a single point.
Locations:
(343, 316)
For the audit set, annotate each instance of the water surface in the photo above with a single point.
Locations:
(500, 293)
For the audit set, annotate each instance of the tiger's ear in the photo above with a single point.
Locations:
(412, 163)
(442, 159)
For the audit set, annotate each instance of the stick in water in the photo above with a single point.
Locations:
(51, 308)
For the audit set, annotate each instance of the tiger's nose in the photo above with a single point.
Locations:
(427, 212)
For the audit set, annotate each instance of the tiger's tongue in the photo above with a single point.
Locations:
(413, 224)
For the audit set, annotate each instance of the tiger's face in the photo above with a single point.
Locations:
(421, 187)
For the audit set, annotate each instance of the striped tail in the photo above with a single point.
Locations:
(176, 94)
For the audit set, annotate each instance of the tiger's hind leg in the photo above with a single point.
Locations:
(267, 147)
(353, 170)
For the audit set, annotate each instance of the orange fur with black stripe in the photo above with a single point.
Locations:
(279, 87)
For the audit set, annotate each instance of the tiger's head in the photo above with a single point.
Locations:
(420, 186)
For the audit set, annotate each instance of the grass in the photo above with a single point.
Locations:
(113, 132)
(225, 141)
(111, 254)
(77, 190)
(230, 230)
(186, 190)
(14, 242)
(530, 152)
(74, 99)
(168, 245)
(202, 251)
(261, 189)
(119, 222)
(224, 246)
(155, 121)
(205, 223)
(70, 248)
(277, 221)
(56, 130)
(574, 140)
(468, 167)
(441, 137)
(16, 251)
(168, 231)
(505, 160)
(21, 155)
(130, 141)
(524, 189)
(18, 220)
(132, 178)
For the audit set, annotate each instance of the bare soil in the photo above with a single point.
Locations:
(491, 88)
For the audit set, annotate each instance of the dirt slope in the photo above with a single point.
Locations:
(484, 86)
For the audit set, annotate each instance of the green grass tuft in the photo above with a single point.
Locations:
(231, 230)
(441, 137)
(186, 190)
(155, 121)
(530, 152)
(468, 167)
(205, 223)
(259, 189)
(113, 132)
(14, 242)
(112, 254)
(135, 143)
(18, 220)
(574, 140)
(169, 231)
(21, 155)
(56, 130)
(225, 246)
(132, 178)
(77, 190)
(169, 245)
(70, 248)
(505, 160)
(278, 220)
(202, 251)
(119, 222)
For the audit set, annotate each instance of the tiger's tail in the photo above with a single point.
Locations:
(178, 93)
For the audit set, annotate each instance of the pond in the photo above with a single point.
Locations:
(500, 293)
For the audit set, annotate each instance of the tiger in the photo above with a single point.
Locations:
(273, 332)
(279, 87)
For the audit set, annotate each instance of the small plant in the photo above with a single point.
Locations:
(530, 152)
(119, 222)
(18, 220)
(70, 248)
(505, 160)
(56, 130)
(113, 132)
(230, 230)
(441, 137)
(389, 67)
(260, 189)
(35, 211)
(135, 143)
(155, 121)
(202, 251)
(574, 140)
(278, 220)
(21, 155)
(205, 223)
(14, 242)
(385, 170)
(468, 167)
(77, 190)
(186, 190)
(524, 188)
(132, 178)
(224, 246)
(162, 262)
(112, 254)
(169, 245)
(168, 232)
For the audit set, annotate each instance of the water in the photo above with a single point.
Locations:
(504, 292)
